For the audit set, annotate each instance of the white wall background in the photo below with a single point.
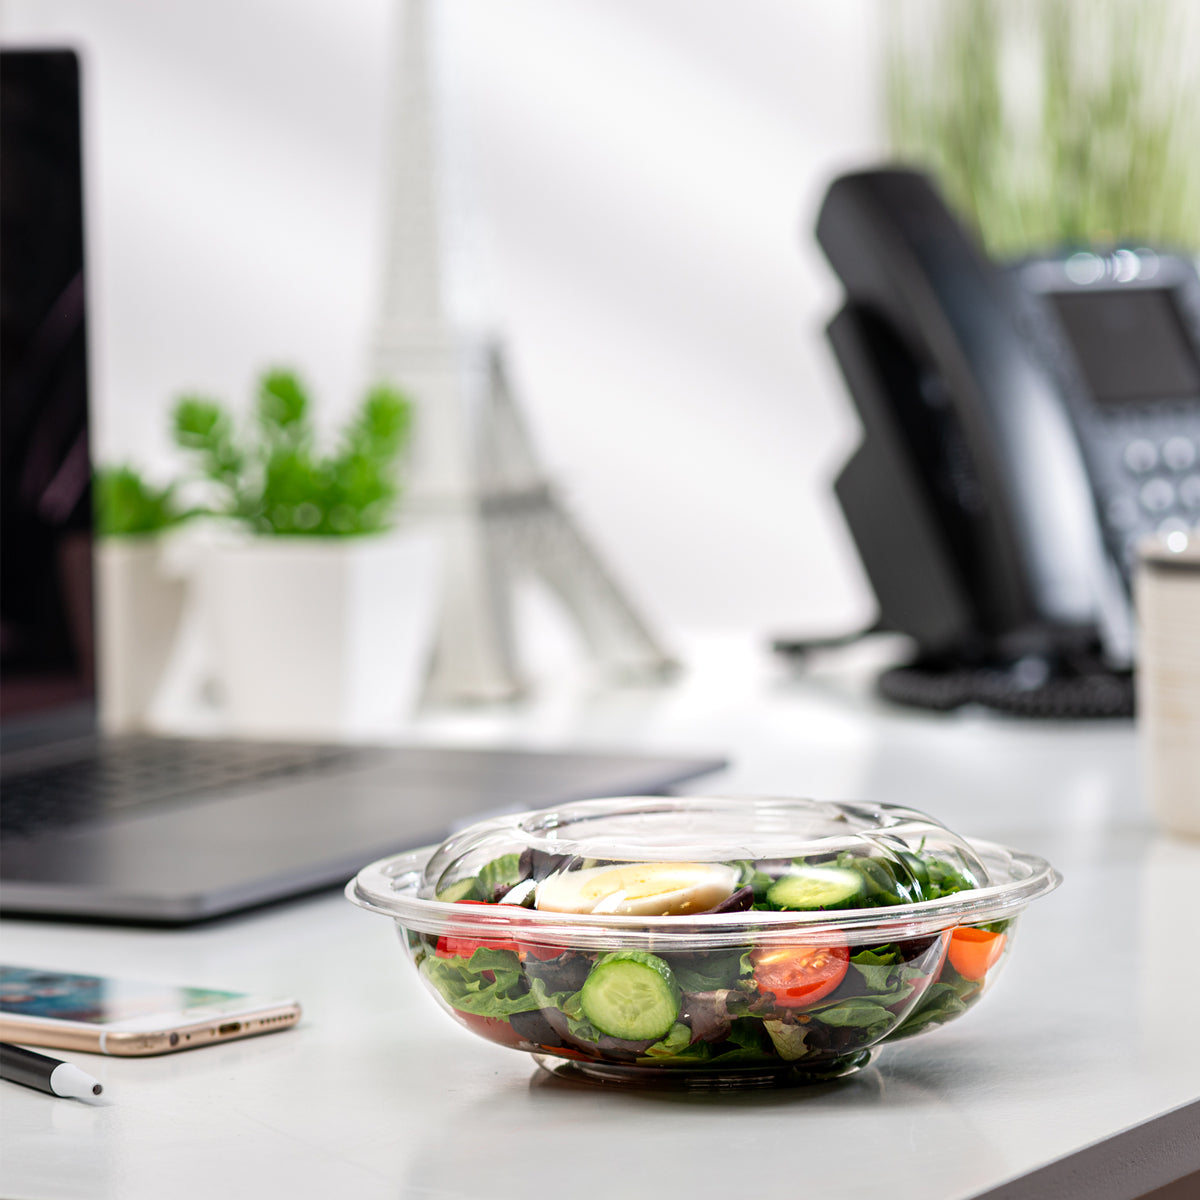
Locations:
(647, 173)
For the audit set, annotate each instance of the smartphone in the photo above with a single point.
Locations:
(117, 1016)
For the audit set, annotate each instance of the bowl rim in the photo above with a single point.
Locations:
(389, 885)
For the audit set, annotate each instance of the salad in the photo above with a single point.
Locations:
(816, 1008)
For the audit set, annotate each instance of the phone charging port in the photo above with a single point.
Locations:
(229, 1027)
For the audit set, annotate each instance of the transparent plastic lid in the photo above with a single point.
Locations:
(703, 872)
(655, 856)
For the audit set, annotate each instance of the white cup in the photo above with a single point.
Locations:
(1168, 678)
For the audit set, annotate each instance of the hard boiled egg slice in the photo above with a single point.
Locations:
(639, 889)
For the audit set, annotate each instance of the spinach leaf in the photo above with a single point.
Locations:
(888, 985)
(887, 977)
(708, 971)
(939, 1004)
(855, 1014)
(748, 1034)
(878, 977)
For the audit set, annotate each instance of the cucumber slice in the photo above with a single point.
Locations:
(816, 887)
(631, 995)
(462, 889)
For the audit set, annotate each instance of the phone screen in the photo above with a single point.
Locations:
(93, 999)
(1131, 346)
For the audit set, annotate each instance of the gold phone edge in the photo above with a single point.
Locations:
(129, 1043)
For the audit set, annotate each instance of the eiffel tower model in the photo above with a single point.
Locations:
(475, 473)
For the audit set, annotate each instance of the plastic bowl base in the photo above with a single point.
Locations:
(674, 1079)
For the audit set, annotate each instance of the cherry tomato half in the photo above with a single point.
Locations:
(974, 952)
(799, 975)
(453, 946)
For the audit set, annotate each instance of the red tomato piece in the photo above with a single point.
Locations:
(455, 946)
(495, 1029)
(569, 1052)
(541, 953)
(799, 975)
(974, 952)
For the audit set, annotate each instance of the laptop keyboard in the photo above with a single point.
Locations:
(131, 773)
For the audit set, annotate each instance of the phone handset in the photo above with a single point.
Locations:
(1029, 550)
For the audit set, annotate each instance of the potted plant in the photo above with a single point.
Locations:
(139, 599)
(318, 604)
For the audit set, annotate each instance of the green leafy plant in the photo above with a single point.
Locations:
(276, 481)
(1051, 122)
(126, 505)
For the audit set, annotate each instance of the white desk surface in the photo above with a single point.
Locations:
(377, 1093)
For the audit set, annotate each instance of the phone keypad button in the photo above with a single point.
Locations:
(1173, 525)
(1157, 495)
(1189, 492)
(1141, 456)
(1179, 453)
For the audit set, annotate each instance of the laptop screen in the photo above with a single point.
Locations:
(46, 644)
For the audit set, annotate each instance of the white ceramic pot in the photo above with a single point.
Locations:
(319, 637)
(139, 603)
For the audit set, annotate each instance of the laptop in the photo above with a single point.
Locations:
(167, 830)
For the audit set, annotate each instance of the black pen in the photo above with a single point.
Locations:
(46, 1074)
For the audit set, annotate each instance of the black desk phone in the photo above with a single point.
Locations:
(1023, 427)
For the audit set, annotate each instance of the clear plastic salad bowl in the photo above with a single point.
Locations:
(706, 941)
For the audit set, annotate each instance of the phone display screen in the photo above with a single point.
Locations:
(1131, 345)
(93, 999)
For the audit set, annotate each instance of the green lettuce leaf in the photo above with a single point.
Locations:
(567, 1003)
(678, 1038)
(887, 977)
(464, 985)
(940, 1003)
(788, 1039)
(500, 872)
(750, 876)
(944, 879)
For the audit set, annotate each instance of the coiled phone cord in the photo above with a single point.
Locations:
(1078, 688)
(1100, 693)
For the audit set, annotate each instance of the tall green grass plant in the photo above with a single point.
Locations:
(1051, 123)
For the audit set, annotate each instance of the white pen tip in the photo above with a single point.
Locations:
(68, 1080)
